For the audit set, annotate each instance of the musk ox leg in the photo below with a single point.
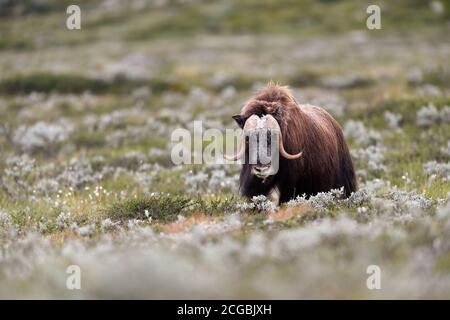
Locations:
(274, 196)
(347, 177)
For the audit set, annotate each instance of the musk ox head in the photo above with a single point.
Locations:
(261, 145)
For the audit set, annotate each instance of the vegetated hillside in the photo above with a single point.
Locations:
(87, 179)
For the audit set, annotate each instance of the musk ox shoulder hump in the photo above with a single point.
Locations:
(270, 99)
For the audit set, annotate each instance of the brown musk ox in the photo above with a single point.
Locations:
(311, 154)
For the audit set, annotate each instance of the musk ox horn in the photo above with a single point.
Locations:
(269, 122)
(237, 155)
(273, 124)
(287, 155)
(249, 124)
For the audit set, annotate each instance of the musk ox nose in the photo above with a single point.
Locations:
(262, 171)
(259, 169)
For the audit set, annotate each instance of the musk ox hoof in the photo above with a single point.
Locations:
(274, 197)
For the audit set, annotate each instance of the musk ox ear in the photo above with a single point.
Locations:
(239, 120)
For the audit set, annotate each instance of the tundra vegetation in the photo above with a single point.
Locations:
(86, 176)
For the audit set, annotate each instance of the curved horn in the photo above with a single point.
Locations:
(288, 155)
(273, 124)
(250, 123)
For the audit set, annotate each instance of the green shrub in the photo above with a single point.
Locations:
(159, 207)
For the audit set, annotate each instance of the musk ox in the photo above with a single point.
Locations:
(314, 155)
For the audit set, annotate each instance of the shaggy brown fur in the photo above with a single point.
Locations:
(325, 164)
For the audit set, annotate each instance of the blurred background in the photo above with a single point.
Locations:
(175, 45)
